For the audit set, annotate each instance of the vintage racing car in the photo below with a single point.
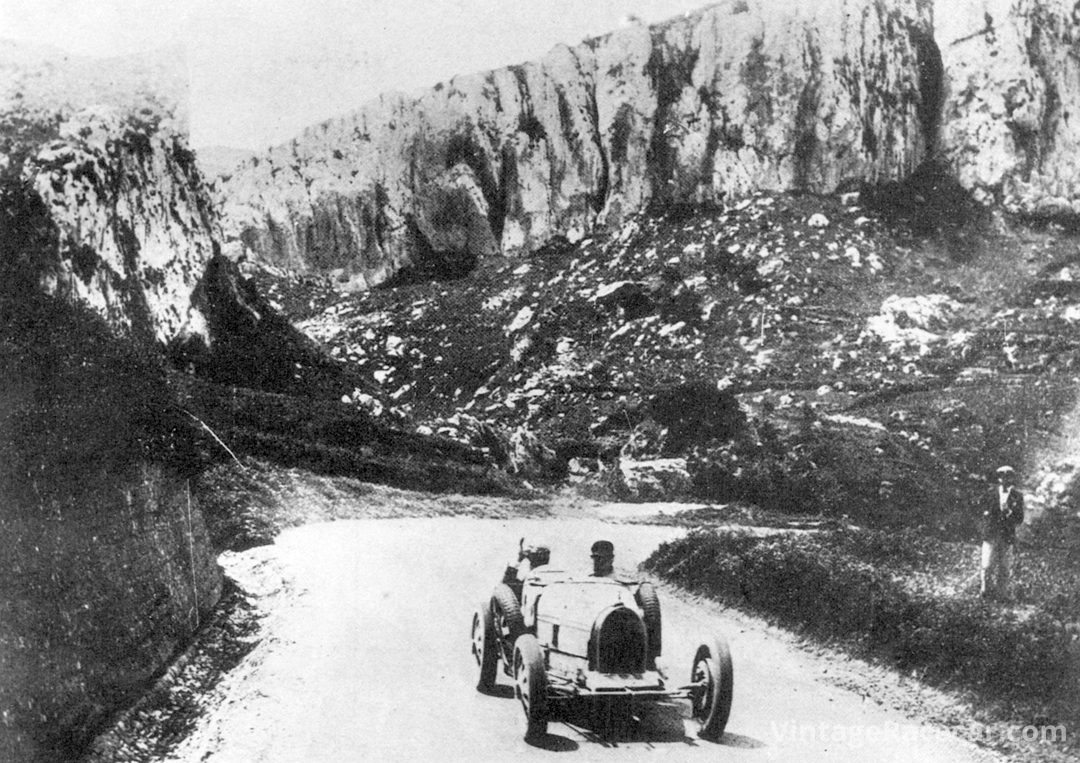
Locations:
(565, 637)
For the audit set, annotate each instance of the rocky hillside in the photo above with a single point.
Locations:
(743, 96)
(811, 354)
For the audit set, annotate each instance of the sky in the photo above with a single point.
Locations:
(262, 70)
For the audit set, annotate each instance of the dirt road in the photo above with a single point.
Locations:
(367, 657)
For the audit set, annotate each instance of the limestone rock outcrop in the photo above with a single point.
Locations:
(104, 205)
(1011, 87)
(134, 227)
(740, 96)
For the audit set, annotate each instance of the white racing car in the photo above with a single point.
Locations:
(596, 639)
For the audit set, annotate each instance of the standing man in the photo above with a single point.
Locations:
(999, 522)
(603, 559)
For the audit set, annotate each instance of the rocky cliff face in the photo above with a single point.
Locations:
(739, 97)
(1010, 87)
(105, 201)
(105, 234)
(133, 225)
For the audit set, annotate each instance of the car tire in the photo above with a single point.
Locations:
(649, 602)
(485, 649)
(530, 684)
(712, 706)
(508, 621)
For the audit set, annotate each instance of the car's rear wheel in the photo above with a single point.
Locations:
(712, 675)
(508, 621)
(650, 614)
(530, 684)
(484, 646)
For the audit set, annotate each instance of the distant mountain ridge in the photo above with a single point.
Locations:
(741, 96)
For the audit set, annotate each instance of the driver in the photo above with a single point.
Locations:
(603, 559)
(530, 556)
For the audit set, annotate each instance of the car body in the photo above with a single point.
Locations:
(564, 637)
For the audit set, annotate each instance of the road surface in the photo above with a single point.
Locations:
(366, 658)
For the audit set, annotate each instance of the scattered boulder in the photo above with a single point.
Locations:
(654, 479)
(529, 457)
(913, 325)
(631, 298)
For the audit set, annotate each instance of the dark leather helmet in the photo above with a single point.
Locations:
(603, 548)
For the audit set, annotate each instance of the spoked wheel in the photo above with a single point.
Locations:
(530, 684)
(484, 646)
(712, 701)
(508, 622)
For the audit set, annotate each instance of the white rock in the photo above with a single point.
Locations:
(656, 478)
(521, 320)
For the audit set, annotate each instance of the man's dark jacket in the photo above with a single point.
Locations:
(999, 524)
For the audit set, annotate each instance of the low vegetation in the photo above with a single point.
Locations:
(905, 599)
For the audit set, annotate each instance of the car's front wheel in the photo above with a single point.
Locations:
(508, 621)
(530, 684)
(484, 646)
(712, 676)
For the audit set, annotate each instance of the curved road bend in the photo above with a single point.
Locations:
(370, 661)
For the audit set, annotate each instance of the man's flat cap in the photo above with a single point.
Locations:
(603, 548)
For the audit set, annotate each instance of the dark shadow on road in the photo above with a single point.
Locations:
(613, 723)
(610, 723)
(741, 742)
(502, 691)
(551, 743)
